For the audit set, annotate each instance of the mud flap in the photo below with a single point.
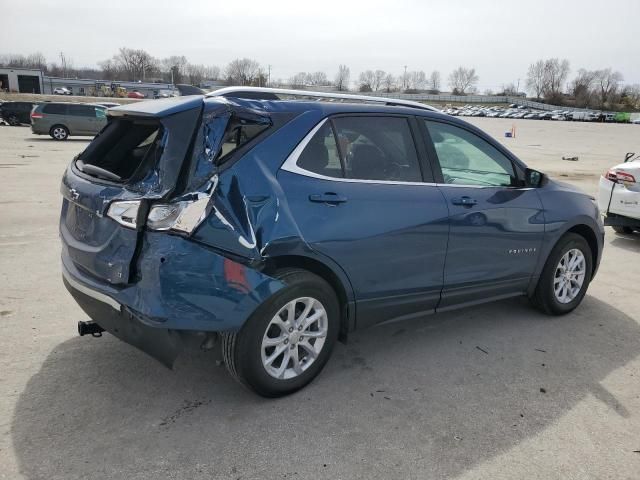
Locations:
(162, 344)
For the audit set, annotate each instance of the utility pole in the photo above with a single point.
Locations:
(518, 88)
(404, 79)
(268, 75)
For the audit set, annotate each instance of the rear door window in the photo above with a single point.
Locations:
(82, 110)
(363, 148)
(55, 109)
(321, 154)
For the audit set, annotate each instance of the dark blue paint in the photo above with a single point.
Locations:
(482, 239)
(186, 286)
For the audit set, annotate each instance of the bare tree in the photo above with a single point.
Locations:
(342, 78)
(607, 84)
(212, 72)
(366, 81)
(317, 78)
(389, 83)
(582, 87)
(416, 80)
(378, 79)
(175, 68)
(509, 89)
(195, 73)
(242, 71)
(463, 80)
(33, 60)
(556, 72)
(434, 82)
(535, 78)
(631, 96)
(135, 63)
(299, 80)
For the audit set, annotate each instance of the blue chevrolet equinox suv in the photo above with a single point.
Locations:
(277, 222)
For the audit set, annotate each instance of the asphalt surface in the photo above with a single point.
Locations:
(498, 391)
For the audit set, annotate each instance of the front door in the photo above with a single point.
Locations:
(356, 190)
(496, 225)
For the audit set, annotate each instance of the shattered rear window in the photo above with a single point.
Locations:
(124, 150)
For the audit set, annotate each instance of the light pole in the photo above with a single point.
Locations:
(404, 79)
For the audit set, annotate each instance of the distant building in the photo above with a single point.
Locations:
(21, 80)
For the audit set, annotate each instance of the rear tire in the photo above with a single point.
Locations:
(13, 121)
(59, 132)
(276, 352)
(571, 255)
(625, 230)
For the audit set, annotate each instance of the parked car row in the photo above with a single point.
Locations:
(520, 111)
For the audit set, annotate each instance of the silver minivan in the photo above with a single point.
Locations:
(60, 120)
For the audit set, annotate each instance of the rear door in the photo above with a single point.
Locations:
(82, 119)
(496, 225)
(356, 187)
(136, 159)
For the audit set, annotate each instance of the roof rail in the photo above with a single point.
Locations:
(264, 93)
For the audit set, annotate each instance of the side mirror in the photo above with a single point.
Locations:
(534, 178)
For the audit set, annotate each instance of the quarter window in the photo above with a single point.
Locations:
(467, 159)
(239, 132)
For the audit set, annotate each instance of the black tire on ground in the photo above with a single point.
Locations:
(242, 350)
(544, 296)
(622, 229)
(59, 132)
(13, 121)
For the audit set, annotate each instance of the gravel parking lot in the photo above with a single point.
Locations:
(497, 392)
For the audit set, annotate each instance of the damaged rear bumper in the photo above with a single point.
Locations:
(162, 344)
(181, 286)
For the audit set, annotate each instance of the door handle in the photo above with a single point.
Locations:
(327, 197)
(464, 201)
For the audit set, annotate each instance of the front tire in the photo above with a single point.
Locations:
(565, 276)
(287, 341)
(59, 132)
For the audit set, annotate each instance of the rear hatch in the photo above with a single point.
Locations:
(107, 189)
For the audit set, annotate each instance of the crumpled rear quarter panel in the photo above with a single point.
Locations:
(184, 285)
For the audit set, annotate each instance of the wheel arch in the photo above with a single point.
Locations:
(589, 235)
(337, 280)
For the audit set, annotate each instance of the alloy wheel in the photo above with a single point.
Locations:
(59, 133)
(294, 338)
(569, 276)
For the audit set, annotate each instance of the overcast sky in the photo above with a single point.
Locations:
(499, 38)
